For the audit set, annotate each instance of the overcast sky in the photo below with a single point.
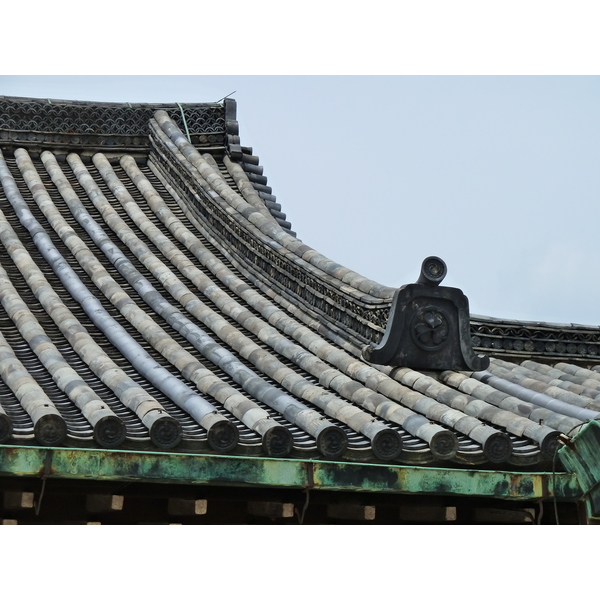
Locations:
(497, 175)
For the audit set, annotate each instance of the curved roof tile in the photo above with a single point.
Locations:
(155, 296)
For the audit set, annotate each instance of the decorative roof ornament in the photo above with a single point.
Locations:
(428, 326)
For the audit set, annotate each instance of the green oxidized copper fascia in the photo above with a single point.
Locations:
(460, 482)
(210, 469)
(581, 455)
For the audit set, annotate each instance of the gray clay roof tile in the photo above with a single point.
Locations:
(185, 300)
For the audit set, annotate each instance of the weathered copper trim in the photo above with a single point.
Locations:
(205, 469)
(581, 455)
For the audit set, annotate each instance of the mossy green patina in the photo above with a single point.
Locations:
(211, 469)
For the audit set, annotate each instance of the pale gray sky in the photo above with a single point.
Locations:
(497, 175)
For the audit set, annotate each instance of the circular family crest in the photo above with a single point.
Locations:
(429, 328)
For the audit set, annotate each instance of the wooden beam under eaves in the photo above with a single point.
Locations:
(182, 507)
(17, 500)
(351, 512)
(428, 514)
(502, 516)
(271, 510)
(99, 503)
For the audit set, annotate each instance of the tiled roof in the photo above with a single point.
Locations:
(153, 295)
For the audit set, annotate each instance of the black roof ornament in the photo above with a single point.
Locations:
(428, 326)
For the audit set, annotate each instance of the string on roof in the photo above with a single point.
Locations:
(184, 123)
(223, 98)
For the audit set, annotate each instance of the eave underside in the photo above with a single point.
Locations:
(211, 469)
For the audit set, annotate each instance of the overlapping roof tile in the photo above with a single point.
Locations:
(154, 296)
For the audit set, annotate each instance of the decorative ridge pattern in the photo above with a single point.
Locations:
(341, 276)
(296, 279)
(254, 172)
(365, 323)
(34, 122)
(549, 341)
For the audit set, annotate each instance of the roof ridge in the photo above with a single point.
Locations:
(342, 275)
